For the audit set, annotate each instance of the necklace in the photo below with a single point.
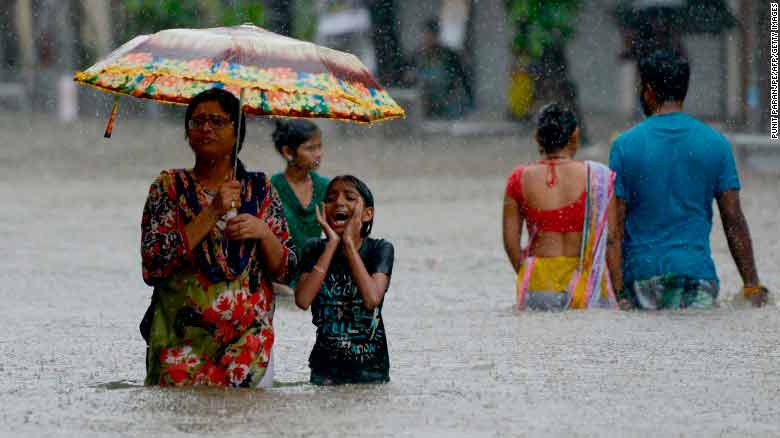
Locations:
(552, 175)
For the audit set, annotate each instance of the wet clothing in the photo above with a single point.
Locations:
(670, 168)
(549, 283)
(301, 221)
(211, 317)
(557, 283)
(351, 345)
(673, 292)
(567, 219)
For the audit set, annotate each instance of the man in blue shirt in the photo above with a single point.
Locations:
(669, 169)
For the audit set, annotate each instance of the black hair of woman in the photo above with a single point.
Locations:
(555, 126)
(228, 102)
(365, 193)
(293, 133)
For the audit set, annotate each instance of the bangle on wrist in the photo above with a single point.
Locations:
(318, 269)
(749, 291)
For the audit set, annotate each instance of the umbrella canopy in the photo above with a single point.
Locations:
(686, 16)
(275, 75)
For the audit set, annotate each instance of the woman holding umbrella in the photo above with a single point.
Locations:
(211, 318)
(210, 321)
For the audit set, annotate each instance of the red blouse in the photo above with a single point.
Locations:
(567, 219)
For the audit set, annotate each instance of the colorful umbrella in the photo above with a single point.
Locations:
(273, 75)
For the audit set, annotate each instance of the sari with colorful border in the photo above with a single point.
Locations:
(590, 286)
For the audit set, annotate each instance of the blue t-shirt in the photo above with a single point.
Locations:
(670, 168)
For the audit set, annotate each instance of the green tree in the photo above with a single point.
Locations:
(542, 29)
(540, 25)
(147, 16)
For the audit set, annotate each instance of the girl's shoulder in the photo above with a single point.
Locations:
(319, 179)
(379, 255)
(378, 243)
(378, 248)
(278, 178)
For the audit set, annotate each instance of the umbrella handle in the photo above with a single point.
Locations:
(238, 131)
(222, 221)
(112, 118)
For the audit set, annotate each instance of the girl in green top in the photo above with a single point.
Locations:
(299, 187)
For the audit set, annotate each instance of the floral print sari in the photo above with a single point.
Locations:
(211, 318)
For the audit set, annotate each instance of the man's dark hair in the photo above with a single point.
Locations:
(365, 193)
(432, 25)
(554, 127)
(667, 73)
(229, 104)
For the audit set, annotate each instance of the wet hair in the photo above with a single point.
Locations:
(293, 133)
(229, 104)
(431, 25)
(365, 193)
(668, 73)
(555, 126)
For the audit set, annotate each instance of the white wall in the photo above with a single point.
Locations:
(593, 59)
(708, 87)
(603, 80)
(595, 67)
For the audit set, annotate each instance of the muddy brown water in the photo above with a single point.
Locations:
(463, 362)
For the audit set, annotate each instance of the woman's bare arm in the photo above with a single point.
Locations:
(513, 220)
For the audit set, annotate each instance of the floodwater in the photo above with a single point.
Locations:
(463, 362)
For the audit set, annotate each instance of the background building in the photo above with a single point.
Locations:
(42, 41)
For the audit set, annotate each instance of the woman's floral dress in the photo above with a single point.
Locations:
(212, 309)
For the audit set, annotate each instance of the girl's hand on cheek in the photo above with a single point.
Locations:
(329, 233)
(352, 230)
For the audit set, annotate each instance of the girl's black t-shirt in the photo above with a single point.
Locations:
(351, 345)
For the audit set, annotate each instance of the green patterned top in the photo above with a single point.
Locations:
(302, 221)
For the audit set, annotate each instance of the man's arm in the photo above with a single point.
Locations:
(740, 245)
(616, 215)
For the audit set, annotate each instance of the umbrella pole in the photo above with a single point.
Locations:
(233, 212)
(112, 118)
(238, 132)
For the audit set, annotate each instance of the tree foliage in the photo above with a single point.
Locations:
(540, 24)
(148, 16)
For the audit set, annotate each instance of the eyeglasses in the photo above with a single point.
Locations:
(213, 121)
